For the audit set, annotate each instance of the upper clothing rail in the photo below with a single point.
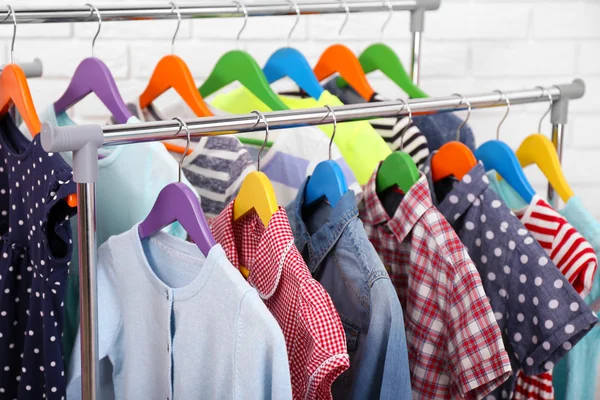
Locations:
(206, 10)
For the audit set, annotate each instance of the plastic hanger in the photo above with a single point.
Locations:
(14, 88)
(291, 63)
(398, 169)
(498, 156)
(539, 150)
(340, 59)
(381, 57)
(256, 192)
(177, 202)
(172, 72)
(237, 65)
(453, 158)
(327, 180)
(93, 76)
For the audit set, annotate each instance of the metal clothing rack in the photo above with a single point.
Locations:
(417, 9)
(85, 140)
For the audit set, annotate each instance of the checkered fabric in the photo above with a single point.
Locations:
(455, 346)
(313, 332)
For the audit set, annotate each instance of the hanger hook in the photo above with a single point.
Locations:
(260, 116)
(289, 38)
(183, 125)
(505, 98)
(245, 11)
(93, 9)
(330, 111)
(175, 8)
(410, 121)
(388, 19)
(463, 99)
(347, 9)
(11, 12)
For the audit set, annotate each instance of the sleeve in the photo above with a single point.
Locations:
(574, 257)
(477, 358)
(325, 344)
(384, 372)
(261, 365)
(545, 315)
(109, 322)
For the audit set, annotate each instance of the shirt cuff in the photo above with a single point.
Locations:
(554, 348)
(483, 378)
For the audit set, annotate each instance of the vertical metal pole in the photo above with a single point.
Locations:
(88, 304)
(558, 135)
(415, 67)
(417, 19)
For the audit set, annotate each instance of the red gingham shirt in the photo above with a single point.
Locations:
(455, 346)
(313, 331)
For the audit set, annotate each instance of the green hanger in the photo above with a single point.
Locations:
(381, 57)
(237, 65)
(398, 169)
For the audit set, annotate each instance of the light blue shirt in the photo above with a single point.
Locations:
(174, 324)
(575, 377)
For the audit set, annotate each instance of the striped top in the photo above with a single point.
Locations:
(573, 256)
(392, 130)
(217, 165)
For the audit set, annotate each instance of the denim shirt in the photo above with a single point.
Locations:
(338, 253)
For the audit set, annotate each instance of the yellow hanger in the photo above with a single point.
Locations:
(539, 150)
(256, 192)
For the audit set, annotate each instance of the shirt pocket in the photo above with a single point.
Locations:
(342, 385)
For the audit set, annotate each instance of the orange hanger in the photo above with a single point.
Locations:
(15, 90)
(339, 58)
(172, 72)
(453, 158)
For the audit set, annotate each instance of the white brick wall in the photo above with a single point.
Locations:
(470, 46)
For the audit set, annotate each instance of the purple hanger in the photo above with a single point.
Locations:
(93, 76)
(177, 202)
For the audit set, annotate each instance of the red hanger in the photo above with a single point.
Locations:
(340, 59)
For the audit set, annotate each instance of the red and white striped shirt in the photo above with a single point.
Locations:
(576, 260)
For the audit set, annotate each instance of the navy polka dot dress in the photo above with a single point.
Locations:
(35, 252)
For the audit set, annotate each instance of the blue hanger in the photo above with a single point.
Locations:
(291, 63)
(498, 156)
(327, 180)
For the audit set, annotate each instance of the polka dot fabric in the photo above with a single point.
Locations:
(36, 249)
(541, 316)
(455, 347)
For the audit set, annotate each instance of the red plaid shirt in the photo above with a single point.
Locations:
(455, 346)
(313, 332)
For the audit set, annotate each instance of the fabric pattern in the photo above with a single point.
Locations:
(217, 165)
(532, 302)
(312, 329)
(572, 376)
(338, 253)
(438, 129)
(359, 144)
(176, 324)
(397, 132)
(454, 343)
(572, 254)
(36, 250)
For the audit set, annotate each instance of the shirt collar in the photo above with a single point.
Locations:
(412, 207)
(325, 238)
(268, 246)
(465, 193)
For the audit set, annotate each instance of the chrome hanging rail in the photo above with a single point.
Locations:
(223, 9)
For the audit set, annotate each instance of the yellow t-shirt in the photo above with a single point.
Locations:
(360, 145)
